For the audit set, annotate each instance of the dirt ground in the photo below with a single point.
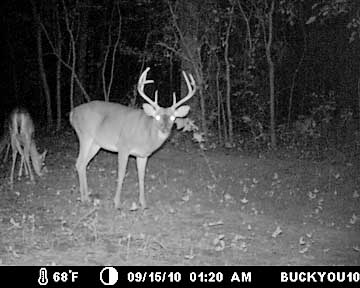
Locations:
(204, 208)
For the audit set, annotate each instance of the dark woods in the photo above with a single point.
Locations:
(268, 72)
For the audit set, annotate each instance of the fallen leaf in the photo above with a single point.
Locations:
(304, 250)
(219, 243)
(302, 241)
(244, 200)
(277, 232)
(354, 219)
(217, 223)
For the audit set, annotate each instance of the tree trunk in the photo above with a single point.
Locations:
(200, 84)
(203, 110)
(58, 94)
(271, 76)
(226, 134)
(83, 43)
(272, 101)
(200, 98)
(358, 92)
(58, 77)
(228, 79)
(42, 68)
(294, 78)
(190, 53)
(14, 75)
(72, 77)
(219, 100)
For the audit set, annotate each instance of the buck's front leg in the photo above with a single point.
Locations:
(122, 163)
(141, 166)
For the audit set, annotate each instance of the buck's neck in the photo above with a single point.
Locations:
(156, 135)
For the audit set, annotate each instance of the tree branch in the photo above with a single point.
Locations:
(181, 55)
(72, 68)
(182, 38)
(114, 50)
(54, 52)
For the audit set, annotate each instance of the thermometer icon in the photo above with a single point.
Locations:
(43, 280)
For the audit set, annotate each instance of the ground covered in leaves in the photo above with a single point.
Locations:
(214, 207)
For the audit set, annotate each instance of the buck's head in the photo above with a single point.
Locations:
(164, 118)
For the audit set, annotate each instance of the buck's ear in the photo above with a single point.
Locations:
(182, 111)
(149, 110)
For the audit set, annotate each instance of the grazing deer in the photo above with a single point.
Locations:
(21, 131)
(5, 144)
(127, 131)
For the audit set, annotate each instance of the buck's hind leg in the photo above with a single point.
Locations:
(87, 151)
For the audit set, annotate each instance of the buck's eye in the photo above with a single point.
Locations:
(172, 118)
(157, 117)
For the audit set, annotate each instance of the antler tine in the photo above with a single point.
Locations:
(156, 96)
(174, 99)
(191, 85)
(141, 83)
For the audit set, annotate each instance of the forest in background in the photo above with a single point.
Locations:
(269, 73)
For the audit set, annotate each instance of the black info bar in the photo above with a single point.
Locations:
(157, 276)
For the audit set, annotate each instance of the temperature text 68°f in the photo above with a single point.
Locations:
(65, 276)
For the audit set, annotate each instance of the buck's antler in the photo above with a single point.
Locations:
(141, 83)
(191, 87)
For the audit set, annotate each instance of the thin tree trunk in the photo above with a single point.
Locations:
(218, 96)
(271, 75)
(107, 87)
(200, 77)
(58, 76)
(42, 68)
(228, 79)
(203, 110)
(72, 77)
(13, 71)
(191, 58)
(294, 78)
(58, 94)
(226, 134)
(272, 101)
(358, 92)
(83, 45)
(72, 52)
(171, 73)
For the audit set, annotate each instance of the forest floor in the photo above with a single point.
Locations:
(213, 207)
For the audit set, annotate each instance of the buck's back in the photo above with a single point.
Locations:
(112, 125)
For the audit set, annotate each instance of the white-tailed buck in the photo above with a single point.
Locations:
(21, 132)
(127, 131)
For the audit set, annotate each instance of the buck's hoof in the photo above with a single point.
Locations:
(85, 200)
(117, 205)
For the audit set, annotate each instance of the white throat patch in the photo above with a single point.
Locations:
(162, 136)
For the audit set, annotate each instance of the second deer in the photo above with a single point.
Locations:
(21, 132)
(127, 131)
